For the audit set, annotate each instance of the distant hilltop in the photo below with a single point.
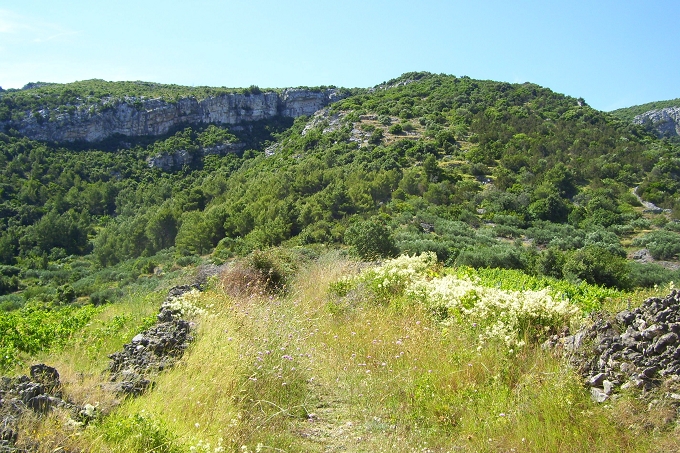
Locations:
(661, 117)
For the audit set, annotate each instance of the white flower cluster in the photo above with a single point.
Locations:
(401, 272)
(185, 303)
(498, 314)
(205, 447)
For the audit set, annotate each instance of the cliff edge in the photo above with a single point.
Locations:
(134, 117)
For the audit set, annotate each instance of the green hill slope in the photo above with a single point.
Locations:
(527, 210)
(482, 173)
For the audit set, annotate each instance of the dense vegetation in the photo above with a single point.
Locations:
(482, 173)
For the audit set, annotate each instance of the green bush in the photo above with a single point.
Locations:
(276, 267)
(370, 239)
(662, 245)
(648, 275)
(497, 256)
(396, 129)
(596, 265)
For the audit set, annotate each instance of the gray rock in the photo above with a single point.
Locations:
(664, 341)
(46, 375)
(664, 122)
(649, 372)
(43, 403)
(134, 117)
(653, 331)
(597, 380)
(625, 317)
(598, 395)
(574, 342)
(151, 351)
(608, 386)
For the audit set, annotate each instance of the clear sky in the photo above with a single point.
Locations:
(613, 53)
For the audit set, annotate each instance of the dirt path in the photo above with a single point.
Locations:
(646, 204)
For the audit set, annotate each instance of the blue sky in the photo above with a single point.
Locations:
(612, 53)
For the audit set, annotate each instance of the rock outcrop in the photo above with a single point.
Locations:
(135, 117)
(664, 122)
(182, 157)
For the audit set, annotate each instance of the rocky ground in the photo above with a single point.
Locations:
(38, 393)
(152, 350)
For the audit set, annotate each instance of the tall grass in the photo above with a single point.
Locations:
(303, 372)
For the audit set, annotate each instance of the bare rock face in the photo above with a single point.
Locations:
(134, 117)
(182, 157)
(665, 122)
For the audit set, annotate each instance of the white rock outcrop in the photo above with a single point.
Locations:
(666, 121)
(157, 117)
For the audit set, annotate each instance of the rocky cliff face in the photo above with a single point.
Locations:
(132, 117)
(180, 158)
(665, 122)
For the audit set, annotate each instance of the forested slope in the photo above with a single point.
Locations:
(483, 173)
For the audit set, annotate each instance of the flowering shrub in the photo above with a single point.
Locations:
(498, 314)
(510, 316)
(186, 304)
(391, 279)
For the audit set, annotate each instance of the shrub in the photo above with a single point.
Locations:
(496, 256)
(503, 315)
(370, 240)
(662, 245)
(596, 265)
(260, 272)
(396, 129)
(650, 275)
(385, 120)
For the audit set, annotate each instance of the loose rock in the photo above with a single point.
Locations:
(153, 350)
(636, 349)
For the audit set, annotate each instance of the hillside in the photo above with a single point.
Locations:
(111, 193)
(662, 118)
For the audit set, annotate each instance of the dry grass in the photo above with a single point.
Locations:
(291, 374)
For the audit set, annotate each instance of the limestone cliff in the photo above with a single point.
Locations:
(181, 157)
(665, 122)
(137, 117)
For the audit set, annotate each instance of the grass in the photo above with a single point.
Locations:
(294, 372)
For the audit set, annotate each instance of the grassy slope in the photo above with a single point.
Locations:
(291, 374)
